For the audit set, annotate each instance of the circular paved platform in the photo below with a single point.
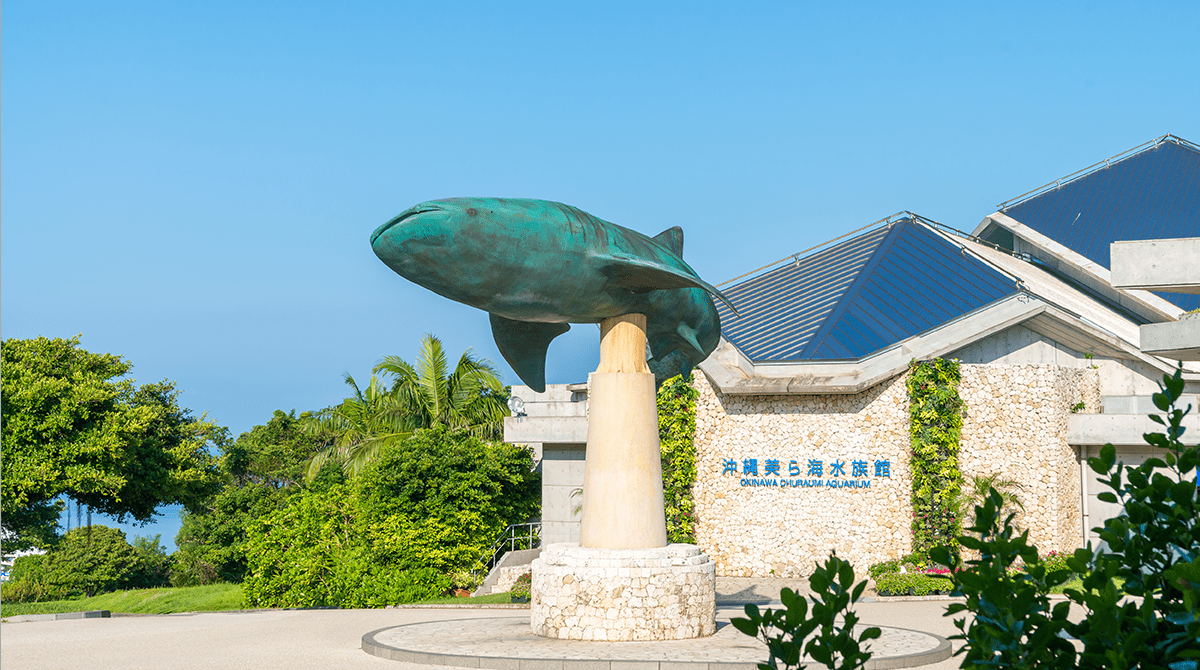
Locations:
(507, 643)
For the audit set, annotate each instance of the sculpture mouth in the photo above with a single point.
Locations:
(401, 218)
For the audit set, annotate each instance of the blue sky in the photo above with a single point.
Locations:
(193, 185)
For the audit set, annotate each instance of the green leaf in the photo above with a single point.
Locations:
(746, 626)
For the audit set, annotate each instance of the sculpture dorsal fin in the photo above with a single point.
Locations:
(671, 238)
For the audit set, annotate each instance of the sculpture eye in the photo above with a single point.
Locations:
(471, 212)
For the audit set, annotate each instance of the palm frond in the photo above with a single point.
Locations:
(431, 372)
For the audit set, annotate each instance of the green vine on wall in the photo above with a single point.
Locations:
(935, 427)
(676, 433)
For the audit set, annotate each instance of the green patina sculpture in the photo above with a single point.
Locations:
(535, 266)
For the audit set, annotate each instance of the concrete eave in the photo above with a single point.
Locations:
(1122, 429)
(543, 429)
(1173, 340)
(734, 374)
(1115, 347)
(1171, 265)
(1081, 269)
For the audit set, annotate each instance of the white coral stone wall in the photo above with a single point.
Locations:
(1014, 424)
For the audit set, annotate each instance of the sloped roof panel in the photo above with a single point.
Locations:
(781, 309)
(859, 296)
(921, 281)
(1152, 194)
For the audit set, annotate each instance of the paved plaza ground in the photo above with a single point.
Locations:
(318, 639)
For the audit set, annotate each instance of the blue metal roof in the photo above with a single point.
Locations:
(859, 296)
(1150, 194)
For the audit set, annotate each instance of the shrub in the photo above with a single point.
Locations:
(1014, 625)
(188, 568)
(1055, 561)
(28, 582)
(916, 561)
(212, 540)
(423, 511)
(912, 584)
(90, 560)
(152, 565)
(522, 587)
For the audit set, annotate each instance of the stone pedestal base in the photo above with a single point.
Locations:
(666, 593)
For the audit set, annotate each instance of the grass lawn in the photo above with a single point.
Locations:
(491, 598)
(212, 598)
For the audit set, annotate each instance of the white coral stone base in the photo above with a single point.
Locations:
(666, 593)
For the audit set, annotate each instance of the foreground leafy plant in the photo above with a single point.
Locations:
(785, 631)
(1152, 553)
(1141, 591)
(1014, 624)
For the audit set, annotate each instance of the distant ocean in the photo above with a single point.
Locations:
(166, 524)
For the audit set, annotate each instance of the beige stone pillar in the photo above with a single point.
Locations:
(622, 485)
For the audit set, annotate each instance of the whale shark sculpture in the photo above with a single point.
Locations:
(537, 266)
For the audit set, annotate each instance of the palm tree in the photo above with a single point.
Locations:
(977, 490)
(358, 428)
(468, 398)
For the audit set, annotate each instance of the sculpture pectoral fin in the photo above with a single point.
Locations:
(523, 344)
(641, 275)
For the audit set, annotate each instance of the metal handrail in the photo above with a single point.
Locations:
(516, 537)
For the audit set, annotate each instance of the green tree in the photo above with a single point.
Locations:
(261, 470)
(90, 560)
(152, 565)
(424, 509)
(1140, 593)
(75, 427)
(470, 397)
(28, 583)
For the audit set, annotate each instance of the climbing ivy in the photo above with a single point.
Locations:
(935, 426)
(676, 430)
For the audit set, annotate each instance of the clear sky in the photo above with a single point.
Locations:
(193, 185)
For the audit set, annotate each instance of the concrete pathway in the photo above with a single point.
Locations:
(321, 639)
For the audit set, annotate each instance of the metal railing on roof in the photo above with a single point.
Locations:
(888, 220)
(1098, 166)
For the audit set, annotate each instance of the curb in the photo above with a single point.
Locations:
(91, 614)
(462, 606)
(373, 647)
(1054, 597)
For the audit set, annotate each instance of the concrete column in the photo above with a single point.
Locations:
(622, 486)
